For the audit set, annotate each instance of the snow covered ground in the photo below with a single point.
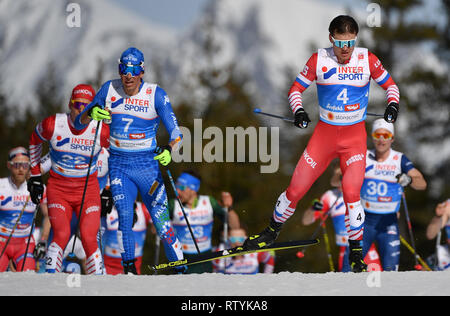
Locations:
(281, 284)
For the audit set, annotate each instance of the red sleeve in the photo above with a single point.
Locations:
(42, 133)
(306, 76)
(378, 73)
(104, 137)
(302, 82)
(384, 79)
(269, 261)
(326, 201)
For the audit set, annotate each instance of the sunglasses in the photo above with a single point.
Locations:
(17, 165)
(134, 70)
(181, 187)
(236, 239)
(79, 105)
(342, 43)
(385, 135)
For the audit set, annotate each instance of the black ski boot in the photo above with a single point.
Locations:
(356, 257)
(265, 238)
(129, 267)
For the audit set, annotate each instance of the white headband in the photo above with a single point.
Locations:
(381, 123)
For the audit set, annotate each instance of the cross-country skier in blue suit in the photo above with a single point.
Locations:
(135, 108)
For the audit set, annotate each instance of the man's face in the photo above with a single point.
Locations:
(76, 107)
(382, 140)
(343, 54)
(19, 168)
(131, 83)
(237, 237)
(186, 194)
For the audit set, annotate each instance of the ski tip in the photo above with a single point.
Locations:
(257, 110)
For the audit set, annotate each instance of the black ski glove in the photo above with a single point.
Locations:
(391, 112)
(36, 188)
(317, 205)
(40, 249)
(106, 199)
(301, 118)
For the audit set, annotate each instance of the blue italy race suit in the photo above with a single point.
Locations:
(133, 128)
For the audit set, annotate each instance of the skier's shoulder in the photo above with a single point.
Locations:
(399, 156)
(4, 182)
(115, 83)
(331, 194)
(370, 155)
(205, 199)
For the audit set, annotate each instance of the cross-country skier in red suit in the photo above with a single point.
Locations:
(342, 74)
(70, 152)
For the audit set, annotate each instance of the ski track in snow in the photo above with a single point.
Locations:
(410, 283)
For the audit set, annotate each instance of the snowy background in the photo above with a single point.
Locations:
(281, 284)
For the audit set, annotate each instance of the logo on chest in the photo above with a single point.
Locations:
(385, 169)
(344, 72)
(82, 144)
(132, 104)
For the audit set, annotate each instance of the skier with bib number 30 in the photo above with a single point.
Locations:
(342, 74)
(135, 109)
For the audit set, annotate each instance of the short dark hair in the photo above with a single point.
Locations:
(193, 173)
(343, 24)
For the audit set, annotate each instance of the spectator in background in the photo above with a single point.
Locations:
(201, 211)
(439, 221)
(245, 264)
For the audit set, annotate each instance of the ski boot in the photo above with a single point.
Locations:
(265, 238)
(356, 257)
(129, 267)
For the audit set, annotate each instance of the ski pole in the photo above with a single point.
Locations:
(15, 226)
(438, 243)
(225, 237)
(225, 228)
(182, 208)
(411, 249)
(374, 114)
(157, 245)
(258, 111)
(287, 119)
(328, 247)
(301, 253)
(408, 221)
(29, 236)
(72, 254)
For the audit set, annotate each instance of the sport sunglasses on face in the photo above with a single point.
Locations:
(342, 43)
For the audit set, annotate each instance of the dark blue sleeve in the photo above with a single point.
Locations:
(99, 99)
(166, 114)
(406, 164)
